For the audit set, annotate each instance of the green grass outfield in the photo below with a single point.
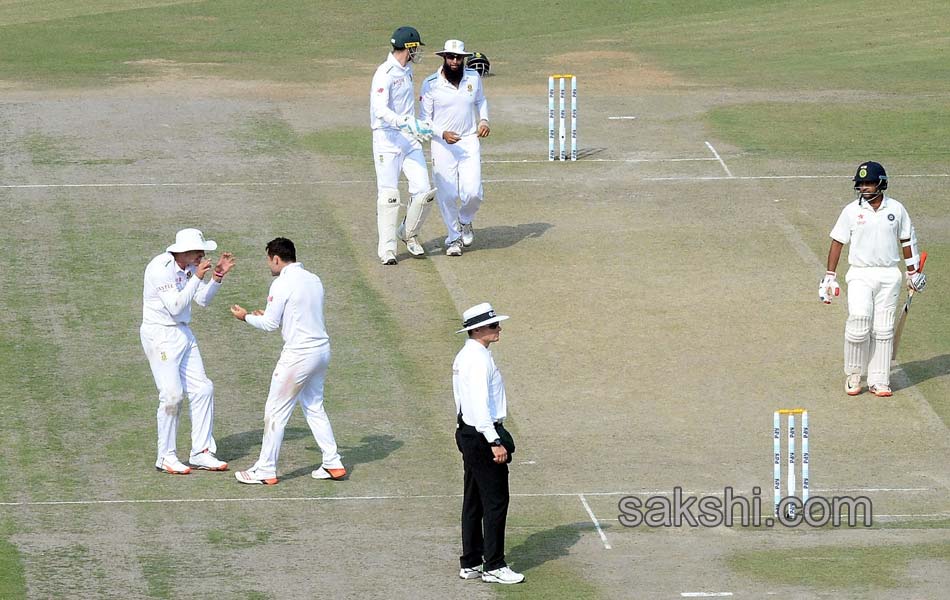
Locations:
(791, 88)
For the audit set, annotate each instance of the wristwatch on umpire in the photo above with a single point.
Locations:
(497, 442)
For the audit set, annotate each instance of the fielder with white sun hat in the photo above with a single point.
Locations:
(172, 280)
(453, 101)
(486, 446)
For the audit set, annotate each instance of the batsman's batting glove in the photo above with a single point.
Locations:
(828, 287)
(916, 281)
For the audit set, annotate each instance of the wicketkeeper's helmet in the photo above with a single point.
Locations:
(871, 172)
(406, 37)
(478, 62)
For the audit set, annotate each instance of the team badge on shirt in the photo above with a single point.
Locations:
(890, 217)
(164, 356)
(469, 87)
(380, 91)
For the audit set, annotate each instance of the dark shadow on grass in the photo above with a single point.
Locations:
(248, 443)
(542, 546)
(494, 238)
(921, 370)
(370, 448)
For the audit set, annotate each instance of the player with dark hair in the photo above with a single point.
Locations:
(880, 234)
(295, 304)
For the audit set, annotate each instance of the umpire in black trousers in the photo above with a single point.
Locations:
(486, 448)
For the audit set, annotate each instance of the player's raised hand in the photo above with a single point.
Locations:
(203, 266)
(225, 263)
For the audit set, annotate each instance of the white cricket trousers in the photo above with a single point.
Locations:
(393, 152)
(457, 172)
(872, 306)
(173, 355)
(298, 377)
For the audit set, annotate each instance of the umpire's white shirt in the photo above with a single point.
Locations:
(874, 235)
(295, 304)
(169, 290)
(450, 108)
(479, 389)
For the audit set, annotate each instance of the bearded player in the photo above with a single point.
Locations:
(880, 233)
(453, 101)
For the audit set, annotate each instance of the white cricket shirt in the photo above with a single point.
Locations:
(295, 304)
(874, 236)
(392, 96)
(479, 389)
(169, 290)
(450, 108)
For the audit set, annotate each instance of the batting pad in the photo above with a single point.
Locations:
(417, 211)
(882, 347)
(857, 334)
(387, 219)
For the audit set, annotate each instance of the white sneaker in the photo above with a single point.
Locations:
(251, 476)
(473, 573)
(503, 575)
(852, 385)
(389, 258)
(454, 249)
(414, 247)
(468, 235)
(207, 461)
(324, 473)
(881, 390)
(412, 244)
(171, 464)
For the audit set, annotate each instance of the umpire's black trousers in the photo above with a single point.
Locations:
(485, 502)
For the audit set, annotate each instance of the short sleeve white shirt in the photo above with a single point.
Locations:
(874, 235)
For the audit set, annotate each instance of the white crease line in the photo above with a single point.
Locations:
(758, 177)
(705, 594)
(187, 184)
(431, 496)
(586, 160)
(621, 118)
(719, 158)
(26, 186)
(603, 537)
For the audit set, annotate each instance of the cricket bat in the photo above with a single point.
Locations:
(899, 328)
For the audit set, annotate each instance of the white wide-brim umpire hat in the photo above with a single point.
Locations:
(187, 240)
(456, 47)
(479, 316)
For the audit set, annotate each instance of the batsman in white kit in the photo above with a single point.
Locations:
(295, 304)
(172, 280)
(397, 146)
(880, 234)
(453, 101)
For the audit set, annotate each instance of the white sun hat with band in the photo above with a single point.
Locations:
(187, 240)
(479, 315)
(456, 47)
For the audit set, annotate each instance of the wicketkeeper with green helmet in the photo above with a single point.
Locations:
(397, 146)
